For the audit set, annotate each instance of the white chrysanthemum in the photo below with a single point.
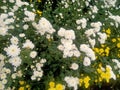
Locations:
(14, 40)
(30, 15)
(92, 42)
(15, 61)
(33, 54)
(72, 82)
(102, 37)
(61, 32)
(28, 44)
(70, 34)
(13, 50)
(3, 31)
(110, 3)
(4, 81)
(25, 27)
(76, 53)
(88, 51)
(21, 35)
(94, 9)
(86, 61)
(2, 57)
(90, 32)
(2, 86)
(3, 76)
(74, 66)
(60, 47)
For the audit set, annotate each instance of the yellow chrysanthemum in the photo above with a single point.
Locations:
(21, 88)
(108, 31)
(118, 45)
(22, 82)
(59, 87)
(113, 40)
(52, 84)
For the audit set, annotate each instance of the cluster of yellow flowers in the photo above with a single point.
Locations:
(85, 81)
(102, 51)
(53, 86)
(103, 74)
(24, 86)
(116, 42)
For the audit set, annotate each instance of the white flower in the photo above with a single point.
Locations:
(44, 26)
(102, 37)
(94, 9)
(86, 61)
(2, 57)
(89, 32)
(72, 82)
(3, 31)
(70, 34)
(25, 27)
(4, 81)
(15, 61)
(3, 76)
(110, 3)
(74, 66)
(21, 35)
(12, 1)
(60, 47)
(2, 87)
(42, 60)
(13, 50)
(61, 32)
(31, 15)
(28, 44)
(14, 40)
(76, 53)
(92, 42)
(33, 54)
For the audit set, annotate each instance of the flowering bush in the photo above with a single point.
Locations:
(74, 45)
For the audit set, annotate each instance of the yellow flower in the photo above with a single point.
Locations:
(22, 82)
(21, 88)
(118, 45)
(80, 82)
(113, 40)
(96, 50)
(52, 84)
(39, 12)
(59, 87)
(87, 85)
(118, 38)
(101, 50)
(86, 79)
(39, 0)
(52, 89)
(108, 31)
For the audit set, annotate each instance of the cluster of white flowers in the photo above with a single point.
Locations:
(90, 55)
(95, 31)
(44, 26)
(72, 82)
(69, 49)
(37, 70)
(3, 77)
(82, 23)
(110, 3)
(117, 65)
(116, 18)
